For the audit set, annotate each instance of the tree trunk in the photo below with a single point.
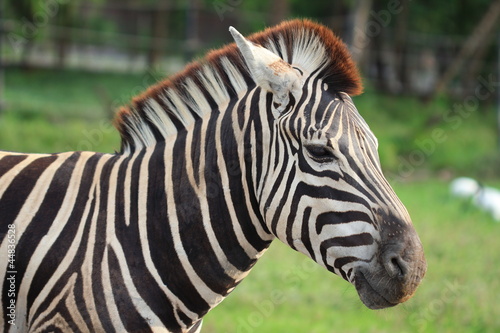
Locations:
(360, 37)
(472, 44)
(337, 22)
(62, 40)
(64, 21)
(280, 9)
(192, 41)
(159, 34)
(25, 53)
(401, 47)
(469, 79)
(379, 63)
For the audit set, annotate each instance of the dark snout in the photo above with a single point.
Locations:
(395, 273)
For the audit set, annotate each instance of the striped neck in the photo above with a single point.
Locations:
(197, 213)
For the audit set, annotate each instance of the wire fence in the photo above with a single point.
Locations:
(132, 37)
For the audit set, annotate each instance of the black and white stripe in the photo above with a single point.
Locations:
(212, 169)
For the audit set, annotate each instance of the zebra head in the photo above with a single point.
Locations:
(323, 192)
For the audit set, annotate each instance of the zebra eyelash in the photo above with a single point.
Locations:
(321, 153)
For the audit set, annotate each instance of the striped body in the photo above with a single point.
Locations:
(100, 239)
(215, 164)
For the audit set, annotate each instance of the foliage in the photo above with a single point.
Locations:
(447, 17)
(426, 16)
(400, 30)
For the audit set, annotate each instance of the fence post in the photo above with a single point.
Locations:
(191, 29)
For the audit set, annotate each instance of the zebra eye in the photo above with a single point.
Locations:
(321, 154)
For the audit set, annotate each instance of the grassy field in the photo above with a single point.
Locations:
(286, 292)
(50, 111)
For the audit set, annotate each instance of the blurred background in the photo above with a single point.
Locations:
(431, 74)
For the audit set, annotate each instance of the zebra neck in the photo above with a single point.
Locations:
(190, 215)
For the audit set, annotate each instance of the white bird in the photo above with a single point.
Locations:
(486, 198)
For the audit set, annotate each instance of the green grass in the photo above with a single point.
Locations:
(51, 111)
(40, 135)
(286, 292)
(415, 136)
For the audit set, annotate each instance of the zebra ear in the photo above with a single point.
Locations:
(269, 71)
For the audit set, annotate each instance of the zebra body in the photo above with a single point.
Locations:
(242, 148)
(95, 231)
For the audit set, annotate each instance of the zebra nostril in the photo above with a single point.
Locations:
(396, 264)
(396, 267)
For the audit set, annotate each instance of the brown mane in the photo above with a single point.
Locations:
(340, 73)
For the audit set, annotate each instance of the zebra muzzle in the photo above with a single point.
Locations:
(394, 276)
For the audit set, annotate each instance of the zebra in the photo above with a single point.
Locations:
(258, 140)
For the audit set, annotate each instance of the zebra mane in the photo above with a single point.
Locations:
(210, 83)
